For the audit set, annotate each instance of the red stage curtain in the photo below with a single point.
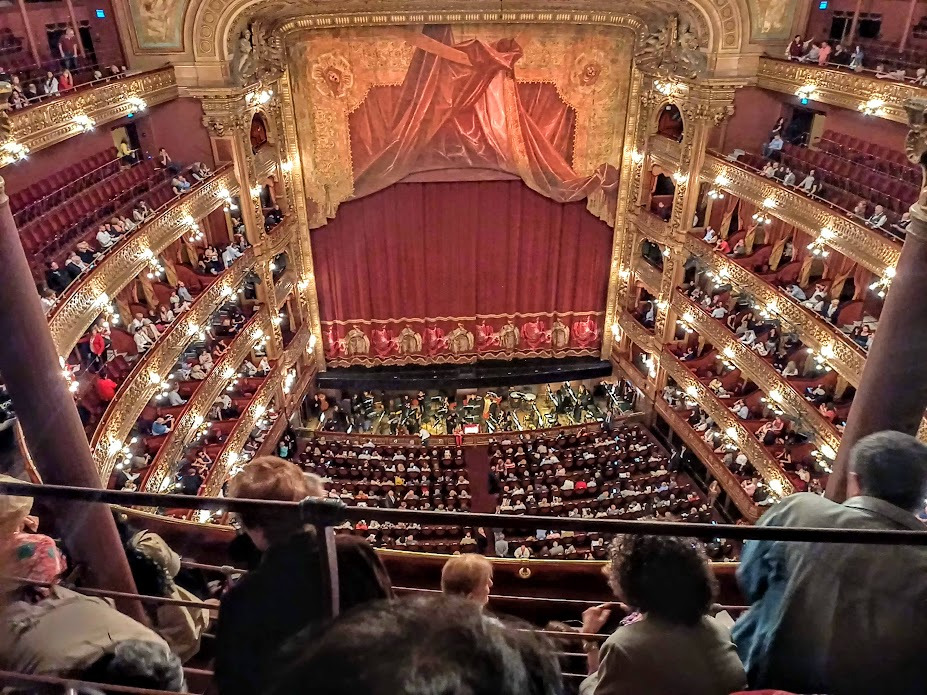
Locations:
(449, 271)
(460, 106)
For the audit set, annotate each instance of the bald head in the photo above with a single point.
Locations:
(891, 466)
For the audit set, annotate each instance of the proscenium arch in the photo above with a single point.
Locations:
(210, 26)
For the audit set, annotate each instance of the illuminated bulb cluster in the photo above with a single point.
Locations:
(719, 278)
(83, 122)
(137, 104)
(651, 365)
(872, 107)
(278, 319)
(824, 457)
(637, 157)
(196, 233)
(715, 194)
(166, 386)
(685, 322)
(312, 342)
(11, 152)
(817, 247)
(155, 269)
(822, 358)
(286, 165)
(725, 357)
(67, 371)
(123, 453)
(228, 202)
(680, 178)
(807, 93)
(881, 285)
(262, 421)
(256, 190)
(289, 381)
(616, 331)
(664, 88)
(761, 218)
(773, 401)
(259, 98)
(769, 311)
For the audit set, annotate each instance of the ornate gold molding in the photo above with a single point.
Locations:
(138, 388)
(52, 122)
(762, 460)
(637, 334)
(852, 239)
(842, 88)
(757, 370)
(848, 358)
(649, 276)
(707, 456)
(84, 300)
(283, 288)
(664, 152)
(194, 415)
(231, 451)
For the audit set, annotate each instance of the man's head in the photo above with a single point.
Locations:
(469, 576)
(138, 664)
(421, 646)
(879, 209)
(891, 466)
(272, 478)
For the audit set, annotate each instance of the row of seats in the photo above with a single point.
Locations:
(890, 55)
(43, 195)
(870, 155)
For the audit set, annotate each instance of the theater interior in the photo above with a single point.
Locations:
(502, 278)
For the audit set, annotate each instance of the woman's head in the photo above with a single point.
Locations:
(469, 576)
(272, 478)
(662, 576)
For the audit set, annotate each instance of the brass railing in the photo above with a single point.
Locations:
(760, 372)
(239, 435)
(51, 122)
(81, 304)
(825, 338)
(145, 379)
(849, 90)
(208, 390)
(850, 238)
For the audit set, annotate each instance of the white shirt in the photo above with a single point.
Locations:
(174, 398)
(104, 239)
(522, 552)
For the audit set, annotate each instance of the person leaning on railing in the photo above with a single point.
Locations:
(842, 618)
(283, 595)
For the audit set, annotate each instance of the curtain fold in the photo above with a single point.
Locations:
(460, 271)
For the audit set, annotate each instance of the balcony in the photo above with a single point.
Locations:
(83, 301)
(139, 386)
(844, 88)
(54, 121)
(764, 462)
(850, 238)
(847, 357)
(231, 451)
(757, 370)
(664, 151)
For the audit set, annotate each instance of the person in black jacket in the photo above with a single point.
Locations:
(56, 279)
(284, 595)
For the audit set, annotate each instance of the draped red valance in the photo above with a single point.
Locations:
(458, 271)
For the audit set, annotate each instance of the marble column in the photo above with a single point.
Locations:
(53, 431)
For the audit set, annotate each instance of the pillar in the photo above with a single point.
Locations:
(851, 35)
(912, 7)
(27, 25)
(892, 393)
(50, 423)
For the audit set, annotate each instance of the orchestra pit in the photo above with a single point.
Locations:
(484, 348)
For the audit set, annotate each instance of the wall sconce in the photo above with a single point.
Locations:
(11, 152)
(259, 98)
(872, 107)
(83, 122)
(770, 203)
(881, 285)
(256, 190)
(136, 103)
(226, 197)
(817, 246)
(715, 194)
(196, 233)
(286, 165)
(637, 157)
(312, 342)
(664, 88)
(760, 218)
(806, 93)
(680, 178)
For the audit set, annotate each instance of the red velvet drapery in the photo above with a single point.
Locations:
(460, 107)
(455, 271)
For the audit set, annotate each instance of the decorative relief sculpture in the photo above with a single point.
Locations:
(257, 56)
(672, 51)
(915, 147)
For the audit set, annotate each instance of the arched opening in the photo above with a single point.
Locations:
(258, 133)
(669, 124)
(663, 190)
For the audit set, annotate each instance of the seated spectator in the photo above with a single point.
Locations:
(199, 172)
(179, 184)
(164, 161)
(883, 74)
(105, 236)
(56, 279)
(813, 55)
(808, 597)
(824, 52)
(273, 217)
(105, 388)
(50, 84)
(878, 218)
(840, 56)
(860, 210)
(173, 395)
(856, 60)
(143, 338)
(522, 552)
(789, 178)
(48, 299)
(675, 647)
(198, 372)
(920, 77)
(75, 266)
(797, 292)
(711, 236)
(252, 624)
(184, 293)
(65, 81)
(469, 576)
(796, 48)
(421, 646)
(808, 184)
(901, 225)
(87, 254)
(230, 255)
(773, 146)
(162, 425)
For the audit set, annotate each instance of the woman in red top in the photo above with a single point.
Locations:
(65, 81)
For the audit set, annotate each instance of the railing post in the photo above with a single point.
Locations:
(52, 428)
(324, 514)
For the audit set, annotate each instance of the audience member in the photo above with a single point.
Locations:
(468, 575)
(838, 618)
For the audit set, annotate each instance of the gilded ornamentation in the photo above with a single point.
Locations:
(80, 306)
(850, 238)
(588, 69)
(915, 146)
(52, 122)
(158, 24)
(410, 341)
(332, 75)
(356, 342)
(672, 51)
(257, 56)
(841, 88)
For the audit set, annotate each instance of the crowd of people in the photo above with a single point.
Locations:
(823, 617)
(838, 55)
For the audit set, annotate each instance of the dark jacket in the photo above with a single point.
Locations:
(282, 597)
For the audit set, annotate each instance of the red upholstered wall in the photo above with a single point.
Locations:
(455, 271)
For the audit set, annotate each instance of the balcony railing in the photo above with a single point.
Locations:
(756, 369)
(844, 88)
(231, 450)
(51, 122)
(140, 386)
(82, 303)
(207, 391)
(849, 238)
(848, 358)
